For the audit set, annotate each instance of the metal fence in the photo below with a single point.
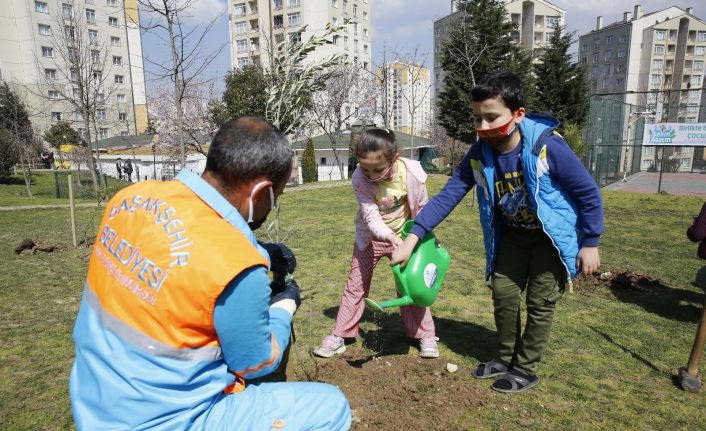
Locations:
(82, 185)
(615, 129)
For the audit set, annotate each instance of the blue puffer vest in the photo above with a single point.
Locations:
(554, 207)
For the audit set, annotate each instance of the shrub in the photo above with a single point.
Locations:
(8, 154)
(310, 172)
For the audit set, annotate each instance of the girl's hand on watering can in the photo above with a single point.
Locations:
(402, 253)
(393, 239)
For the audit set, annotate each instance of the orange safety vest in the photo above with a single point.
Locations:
(161, 260)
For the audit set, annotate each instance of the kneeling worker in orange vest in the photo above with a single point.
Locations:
(177, 312)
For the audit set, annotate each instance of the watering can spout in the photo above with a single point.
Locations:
(419, 282)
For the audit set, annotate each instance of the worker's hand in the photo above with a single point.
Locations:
(588, 261)
(402, 253)
(393, 239)
(282, 260)
(285, 294)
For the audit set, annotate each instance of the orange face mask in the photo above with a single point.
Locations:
(497, 134)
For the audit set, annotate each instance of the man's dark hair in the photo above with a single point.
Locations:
(507, 85)
(247, 148)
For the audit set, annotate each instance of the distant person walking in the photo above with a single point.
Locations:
(119, 168)
(127, 168)
(689, 376)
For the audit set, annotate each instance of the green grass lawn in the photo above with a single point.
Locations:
(609, 365)
(44, 188)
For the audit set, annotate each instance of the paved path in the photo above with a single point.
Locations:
(322, 185)
(674, 184)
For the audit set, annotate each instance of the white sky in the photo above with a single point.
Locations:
(406, 24)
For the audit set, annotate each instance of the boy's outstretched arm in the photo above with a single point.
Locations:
(438, 208)
(573, 177)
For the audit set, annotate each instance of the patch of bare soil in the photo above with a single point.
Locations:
(29, 246)
(615, 282)
(400, 392)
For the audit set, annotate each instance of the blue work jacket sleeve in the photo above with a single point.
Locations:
(253, 336)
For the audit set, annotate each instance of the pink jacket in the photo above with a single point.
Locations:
(368, 222)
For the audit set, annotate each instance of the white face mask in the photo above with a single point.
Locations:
(273, 203)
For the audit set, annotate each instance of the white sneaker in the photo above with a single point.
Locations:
(331, 345)
(428, 347)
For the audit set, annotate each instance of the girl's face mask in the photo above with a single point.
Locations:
(497, 134)
(385, 175)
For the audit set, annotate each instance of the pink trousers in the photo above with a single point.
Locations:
(418, 322)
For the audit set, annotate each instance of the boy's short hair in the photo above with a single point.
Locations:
(507, 85)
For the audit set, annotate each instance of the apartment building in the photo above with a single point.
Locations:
(404, 97)
(655, 62)
(534, 22)
(257, 26)
(33, 33)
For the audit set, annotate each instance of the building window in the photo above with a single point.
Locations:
(695, 80)
(619, 68)
(323, 161)
(553, 21)
(53, 95)
(90, 16)
(699, 51)
(295, 37)
(101, 115)
(365, 49)
(111, 3)
(606, 70)
(365, 32)
(67, 11)
(47, 51)
(73, 75)
(345, 42)
(114, 41)
(294, 18)
(242, 45)
(294, 3)
(608, 55)
(698, 65)
(124, 133)
(119, 79)
(659, 49)
(240, 9)
(121, 98)
(597, 43)
(103, 133)
(701, 36)
(621, 53)
(95, 56)
(660, 34)
(355, 9)
(117, 60)
(241, 27)
(619, 82)
(655, 80)
(93, 35)
(609, 40)
(334, 3)
(365, 15)
(44, 29)
(41, 7)
(345, 6)
(55, 117)
(657, 64)
(76, 94)
(243, 62)
(623, 38)
(122, 116)
(79, 116)
(50, 73)
(112, 21)
(70, 32)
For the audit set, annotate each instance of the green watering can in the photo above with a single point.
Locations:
(420, 281)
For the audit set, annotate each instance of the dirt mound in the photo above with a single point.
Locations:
(28, 246)
(615, 282)
(392, 392)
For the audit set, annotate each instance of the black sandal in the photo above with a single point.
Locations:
(490, 369)
(514, 382)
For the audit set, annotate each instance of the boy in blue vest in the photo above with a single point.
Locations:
(541, 215)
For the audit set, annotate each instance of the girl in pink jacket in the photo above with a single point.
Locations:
(390, 190)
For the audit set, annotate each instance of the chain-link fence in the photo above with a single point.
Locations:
(83, 185)
(615, 134)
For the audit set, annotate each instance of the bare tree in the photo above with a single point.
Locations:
(415, 84)
(188, 61)
(336, 105)
(197, 125)
(80, 73)
(451, 150)
(383, 74)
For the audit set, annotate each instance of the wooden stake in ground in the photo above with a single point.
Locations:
(689, 376)
(73, 215)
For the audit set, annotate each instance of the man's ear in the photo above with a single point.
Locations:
(520, 114)
(263, 192)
